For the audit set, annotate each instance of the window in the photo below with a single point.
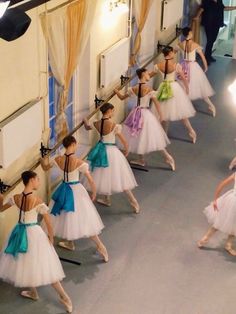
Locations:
(53, 98)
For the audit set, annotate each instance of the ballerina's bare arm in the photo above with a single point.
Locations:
(48, 224)
(124, 143)
(221, 186)
(158, 107)
(45, 163)
(153, 72)
(201, 54)
(121, 96)
(181, 74)
(92, 184)
(87, 125)
(4, 207)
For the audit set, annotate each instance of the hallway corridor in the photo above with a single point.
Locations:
(155, 266)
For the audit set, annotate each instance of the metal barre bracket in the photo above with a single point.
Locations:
(97, 101)
(178, 30)
(44, 150)
(123, 79)
(3, 187)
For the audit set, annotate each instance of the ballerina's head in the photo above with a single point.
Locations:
(107, 110)
(70, 144)
(168, 52)
(30, 180)
(187, 33)
(143, 75)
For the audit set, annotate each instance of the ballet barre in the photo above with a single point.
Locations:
(80, 124)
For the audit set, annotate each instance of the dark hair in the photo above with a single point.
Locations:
(186, 31)
(68, 140)
(27, 175)
(105, 107)
(166, 50)
(140, 72)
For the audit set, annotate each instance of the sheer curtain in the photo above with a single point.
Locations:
(142, 8)
(66, 30)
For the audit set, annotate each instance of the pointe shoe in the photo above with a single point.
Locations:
(68, 305)
(202, 242)
(66, 245)
(104, 202)
(29, 295)
(103, 252)
(212, 109)
(135, 206)
(193, 136)
(138, 162)
(170, 161)
(230, 250)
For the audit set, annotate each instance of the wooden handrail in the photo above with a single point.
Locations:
(14, 185)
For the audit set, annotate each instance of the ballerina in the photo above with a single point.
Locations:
(199, 86)
(22, 261)
(110, 169)
(142, 129)
(175, 103)
(221, 215)
(73, 213)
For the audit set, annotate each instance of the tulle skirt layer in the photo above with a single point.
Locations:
(39, 266)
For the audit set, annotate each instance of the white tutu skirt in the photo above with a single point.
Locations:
(225, 218)
(151, 138)
(39, 266)
(179, 106)
(115, 178)
(84, 222)
(199, 86)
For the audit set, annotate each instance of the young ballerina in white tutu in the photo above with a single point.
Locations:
(29, 258)
(110, 169)
(73, 213)
(175, 103)
(199, 86)
(221, 215)
(142, 129)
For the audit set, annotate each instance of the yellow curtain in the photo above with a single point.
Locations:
(142, 8)
(66, 30)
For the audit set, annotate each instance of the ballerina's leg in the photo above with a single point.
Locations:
(64, 298)
(100, 247)
(229, 245)
(31, 294)
(192, 134)
(168, 159)
(210, 232)
(211, 106)
(133, 202)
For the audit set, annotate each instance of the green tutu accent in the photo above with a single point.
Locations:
(165, 91)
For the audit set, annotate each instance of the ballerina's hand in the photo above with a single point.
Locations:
(116, 90)
(215, 206)
(126, 152)
(51, 238)
(206, 68)
(93, 196)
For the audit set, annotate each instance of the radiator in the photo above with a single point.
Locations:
(172, 12)
(20, 132)
(114, 62)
